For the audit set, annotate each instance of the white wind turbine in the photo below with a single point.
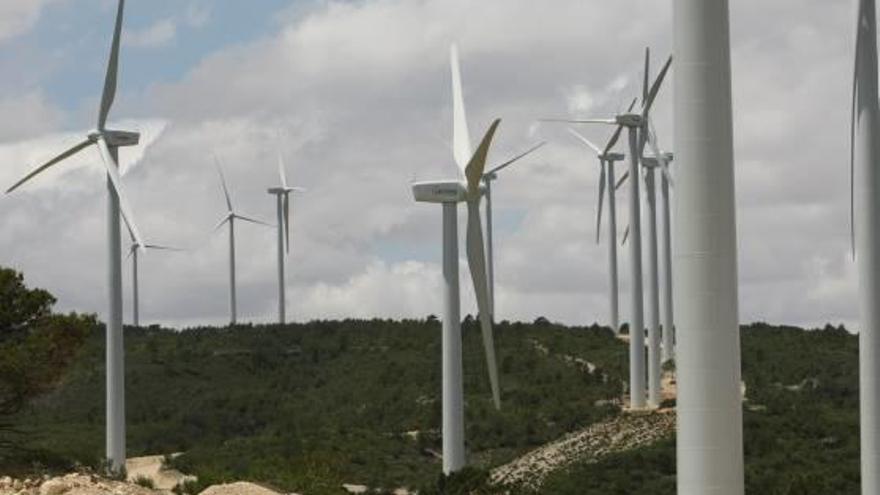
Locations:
(865, 199)
(465, 188)
(133, 253)
(282, 197)
(488, 178)
(230, 218)
(709, 403)
(636, 124)
(108, 143)
(607, 159)
(663, 159)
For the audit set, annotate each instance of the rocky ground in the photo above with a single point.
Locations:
(621, 433)
(89, 484)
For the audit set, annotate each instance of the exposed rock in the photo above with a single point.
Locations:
(355, 489)
(618, 434)
(55, 487)
(239, 488)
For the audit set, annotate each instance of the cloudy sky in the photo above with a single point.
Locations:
(359, 93)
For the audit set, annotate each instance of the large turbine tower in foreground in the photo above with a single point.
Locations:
(108, 143)
(866, 236)
(710, 441)
(465, 188)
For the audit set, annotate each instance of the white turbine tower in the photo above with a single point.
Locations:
(488, 177)
(709, 404)
(865, 191)
(282, 200)
(662, 159)
(133, 253)
(466, 188)
(649, 165)
(230, 218)
(607, 159)
(636, 124)
(108, 143)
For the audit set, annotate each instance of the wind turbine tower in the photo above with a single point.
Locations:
(134, 253)
(607, 159)
(865, 185)
(488, 178)
(108, 143)
(282, 200)
(466, 188)
(637, 125)
(230, 218)
(709, 403)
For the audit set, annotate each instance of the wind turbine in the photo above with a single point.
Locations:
(230, 218)
(662, 159)
(465, 188)
(636, 124)
(865, 199)
(135, 293)
(649, 165)
(108, 143)
(709, 403)
(282, 197)
(488, 177)
(607, 160)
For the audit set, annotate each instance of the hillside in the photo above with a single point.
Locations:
(306, 408)
(309, 407)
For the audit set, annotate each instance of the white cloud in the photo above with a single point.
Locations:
(362, 92)
(33, 115)
(161, 33)
(19, 16)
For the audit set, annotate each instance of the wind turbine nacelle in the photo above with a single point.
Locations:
(120, 139)
(630, 120)
(613, 157)
(452, 191)
(652, 161)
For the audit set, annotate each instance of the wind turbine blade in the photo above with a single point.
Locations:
(581, 121)
(477, 265)
(223, 183)
(621, 180)
(625, 236)
(222, 222)
(113, 172)
(646, 74)
(617, 132)
(158, 247)
(281, 172)
(584, 140)
(251, 220)
(112, 70)
(477, 165)
(461, 141)
(517, 158)
(63, 156)
(652, 95)
(852, 135)
(658, 153)
(287, 221)
(131, 250)
(601, 202)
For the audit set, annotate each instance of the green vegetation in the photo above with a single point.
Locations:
(800, 423)
(36, 347)
(309, 407)
(144, 482)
